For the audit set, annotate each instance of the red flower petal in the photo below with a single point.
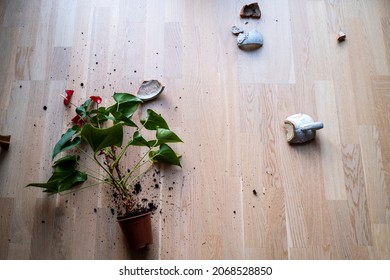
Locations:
(96, 99)
(69, 94)
(77, 121)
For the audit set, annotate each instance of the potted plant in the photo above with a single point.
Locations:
(102, 128)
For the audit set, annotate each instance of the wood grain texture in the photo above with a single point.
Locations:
(243, 192)
(356, 194)
(374, 175)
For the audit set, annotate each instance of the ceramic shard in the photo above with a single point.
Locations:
(250, 41)
(236, 30)
(341, 36)
(251, 11)
(301, 128)
(150, 90)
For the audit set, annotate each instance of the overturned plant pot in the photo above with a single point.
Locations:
(137, 230)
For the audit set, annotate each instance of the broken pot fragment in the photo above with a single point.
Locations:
(341, 36)
(301, 128)
(251, 11)
(250, 41)
(236, 30)
(150, 90)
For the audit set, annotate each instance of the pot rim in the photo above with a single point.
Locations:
(133, 217)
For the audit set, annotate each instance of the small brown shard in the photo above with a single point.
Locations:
(5, 140)
(251, 11)
(341, 36)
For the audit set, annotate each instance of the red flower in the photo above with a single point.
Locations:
(78, 121)
(69, 94)
(96, 99)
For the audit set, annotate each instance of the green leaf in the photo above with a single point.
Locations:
(82, 110)
(101, 115)
(118, 117)
(126, 104)
(66, 161)
(66, 142)
(166, 136)
(154, 121)
(64, 177)
(138, 140)
(126, 109)
(165, 155)
(126, 97)
(100, 138)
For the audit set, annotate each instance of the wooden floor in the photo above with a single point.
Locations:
(243, 191)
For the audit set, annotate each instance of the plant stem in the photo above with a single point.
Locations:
(140, 175)
(118, 185)
(85, 153)
(79, 189)
(96, 178)
(94, 171)
(128, 145)
(136, 166)
(97, 115)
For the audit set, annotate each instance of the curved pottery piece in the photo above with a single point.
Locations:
(150, 90)
(341, 36)
(301, 128)
(236, 30)
(251, 11)
(250, 41)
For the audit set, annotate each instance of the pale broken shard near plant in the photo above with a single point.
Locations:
(150, 90)
(251, 11)
(250, 41)
(236, 30)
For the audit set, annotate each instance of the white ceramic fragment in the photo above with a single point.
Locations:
(341, 36)
(150, 90)
(250, 41)
(301, 128)
(236, 30)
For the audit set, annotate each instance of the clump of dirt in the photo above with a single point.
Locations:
(137, 188)
(152, 207)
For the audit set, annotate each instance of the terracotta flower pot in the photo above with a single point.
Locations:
(138, 230)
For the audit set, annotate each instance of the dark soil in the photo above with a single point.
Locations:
(137, 188)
